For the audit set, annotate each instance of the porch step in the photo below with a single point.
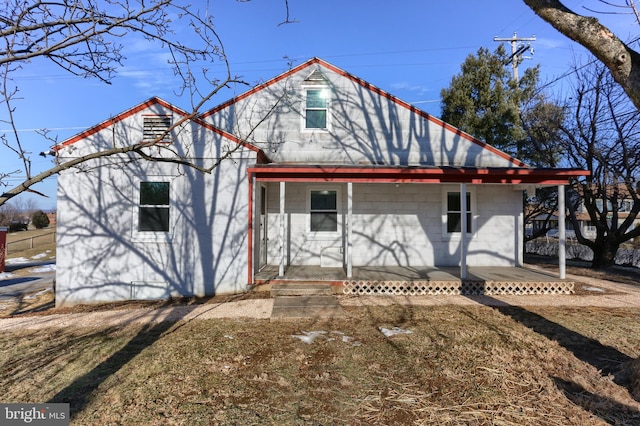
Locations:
(306, 307)
(301, 289)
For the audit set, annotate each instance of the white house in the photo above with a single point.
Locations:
(322, 169)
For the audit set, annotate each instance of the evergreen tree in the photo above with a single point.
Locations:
(40, 219)
(486, 102)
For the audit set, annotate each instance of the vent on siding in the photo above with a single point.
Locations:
(316, 78)
(155, 128)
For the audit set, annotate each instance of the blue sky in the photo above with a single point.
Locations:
(410, 48)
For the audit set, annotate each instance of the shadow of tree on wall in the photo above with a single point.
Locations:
(100, 216)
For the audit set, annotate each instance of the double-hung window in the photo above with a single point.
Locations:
(316, 108)
(454, 213)
(153, 210)
(323, 211)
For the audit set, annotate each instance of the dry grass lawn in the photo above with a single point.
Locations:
(459, 365)
(19, 244)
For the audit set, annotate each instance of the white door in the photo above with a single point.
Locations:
(263, 227)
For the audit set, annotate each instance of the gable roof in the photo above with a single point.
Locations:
(141, 107)
(313, 61)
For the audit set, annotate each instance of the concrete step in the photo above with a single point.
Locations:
(301, 289)
(306, 307)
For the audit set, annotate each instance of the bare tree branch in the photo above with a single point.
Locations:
(86, 38)
(620, 59)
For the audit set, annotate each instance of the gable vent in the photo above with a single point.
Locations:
(155, 128)
(316, 77)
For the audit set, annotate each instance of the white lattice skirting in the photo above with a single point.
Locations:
(414, 288)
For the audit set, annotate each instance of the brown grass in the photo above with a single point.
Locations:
(19, 246)
(461, 365)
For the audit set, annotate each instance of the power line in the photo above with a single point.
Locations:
(46, 128)
(267, 61)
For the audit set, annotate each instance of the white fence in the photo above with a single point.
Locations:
(31, 242)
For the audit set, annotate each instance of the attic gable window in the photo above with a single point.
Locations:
(316, 101)
(316, 108)
(155, 128)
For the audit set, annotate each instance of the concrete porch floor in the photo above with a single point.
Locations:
(366, 280)
(336, 276)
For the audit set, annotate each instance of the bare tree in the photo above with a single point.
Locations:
(86, 38)
(622, 61)
(602, 135)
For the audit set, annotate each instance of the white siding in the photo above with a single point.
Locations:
(365, 128)
(99, 256)
(402, 225)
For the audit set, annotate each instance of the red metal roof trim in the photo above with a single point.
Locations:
(373, 88)
(157, 101)
(372, 174)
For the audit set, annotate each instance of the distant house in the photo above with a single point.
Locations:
(586, 226)
(52, 218)
(324, 170)
(617, 205)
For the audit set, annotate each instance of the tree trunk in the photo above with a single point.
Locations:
(604, 254)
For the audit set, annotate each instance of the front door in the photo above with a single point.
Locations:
(263, 227)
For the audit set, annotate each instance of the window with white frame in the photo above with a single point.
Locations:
(626, 205)
(454, 213)
(154, 207)
(323, 211)
(316, 112)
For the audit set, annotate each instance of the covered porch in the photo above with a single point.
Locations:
(406, 213)
(426, 280)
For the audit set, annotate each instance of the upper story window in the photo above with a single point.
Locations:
(156, 128)
(316, 101)
(316, 108)
(153, 210)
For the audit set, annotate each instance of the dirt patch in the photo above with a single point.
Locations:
(42, 303)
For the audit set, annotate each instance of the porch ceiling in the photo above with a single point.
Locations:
(275, 172)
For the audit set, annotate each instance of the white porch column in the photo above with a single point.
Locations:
(281, 233)
(463, 230)
(349, 229)
(562, 236)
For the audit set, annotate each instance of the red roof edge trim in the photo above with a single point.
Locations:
(373, 88)
(421, 113)
(231, 137)
(274, 173)
(117, 118)
(261, 86)
(262, 158)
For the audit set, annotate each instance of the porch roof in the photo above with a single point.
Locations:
(279, 172)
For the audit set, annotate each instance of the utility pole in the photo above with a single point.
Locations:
(517, 50)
